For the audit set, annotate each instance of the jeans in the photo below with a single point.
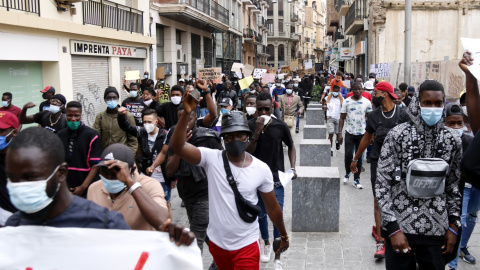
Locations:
(352, 142)
(427, 257)
(263, 219)
(201, 112)
(369, 150)
(197, 213)
(470, 207)
(167, 190)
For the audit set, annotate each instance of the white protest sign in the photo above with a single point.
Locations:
(40, 247)
(257, 73)
(347, 84)
(473, 46)
(285, 177)
(381, 70)
(308, 64)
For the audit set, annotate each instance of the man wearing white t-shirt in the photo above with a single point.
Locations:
(334, 105)
(233, 242)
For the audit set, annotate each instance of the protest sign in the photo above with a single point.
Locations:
(132, 75)
(308, 64)
(272, 70)
(332, 70)
(245, 83)
(293, 64)
(248, 69)
(381, 70)
(473, 46)
(214, 74)
(281, 76)
(263, 67)
(268, 77)
(257, 73)
(310, 71)
(285, 69)
(318, 67)
(347, 84)
(160, 73)
(42, 247)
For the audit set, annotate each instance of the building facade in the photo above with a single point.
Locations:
(255, 32)
(80, 49)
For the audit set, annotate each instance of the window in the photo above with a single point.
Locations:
(280, 25)
(160, 44)
(208, 51)
(270, 9)
(219, 45)
(270, 25)
(196, 46)
(281, 53)
(179, 37)
(280, 7)
(271, 52)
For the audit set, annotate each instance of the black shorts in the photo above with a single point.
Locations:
(373, 173)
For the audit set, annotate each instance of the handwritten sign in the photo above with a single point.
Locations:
(347, 84)
(381, 70)
(473, 45)
(214, 74)
(308, 64)
(257, 73)
(285, 69)
(237, 66)
(245, 83)
(42, 247)
(294, 64)
(160, 73)
(263, 67)
(272, 70)
(248, 69)
(268, 77)
(310, 71)
(132, 75)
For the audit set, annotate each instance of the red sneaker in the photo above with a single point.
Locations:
(380, 254)
(374, 234)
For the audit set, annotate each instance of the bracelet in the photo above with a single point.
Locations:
(134, 187)
(397, 231)
(355, 160)
(453, 231)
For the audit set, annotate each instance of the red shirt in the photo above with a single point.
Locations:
(12, 109)
(339, 83)
(364, 94)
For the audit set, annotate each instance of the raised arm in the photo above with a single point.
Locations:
(473, 97)
(24, 119)
(124, 124)
(212, 110)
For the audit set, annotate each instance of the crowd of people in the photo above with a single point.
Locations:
(223, 151)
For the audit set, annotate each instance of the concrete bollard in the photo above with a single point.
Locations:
(315, 152)
(316, 199)
(315, 116)
(314, 132)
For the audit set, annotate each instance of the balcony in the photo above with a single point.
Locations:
(207, 15)
(293, 17)
(342, 6)
(258, 7)
(294, 37)
(338, 36)
(259, 38)
(32, 6)
(112, 15)
(354, 20)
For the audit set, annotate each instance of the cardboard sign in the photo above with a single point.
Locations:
(263, 67)
(43, 247)
(285, 69)
(245, 83)
(248, 69)
(268, 78)
(310, 71)
(237, 66)
(160, 73)
(214, 74)
(257, 73)
(294, 64)
(132, 75)
(272, 70)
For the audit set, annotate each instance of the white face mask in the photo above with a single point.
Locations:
(459, 131)
(267, 119)
(251, 110)
(149, 127)
(145, 76)
(176, 100)
(253, 91)
(289, 91)
(147, 102)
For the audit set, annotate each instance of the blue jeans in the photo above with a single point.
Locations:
(263, 219)
(201, 112)
(167, 190)
(470, 207)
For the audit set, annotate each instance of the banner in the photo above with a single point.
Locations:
(257, 73)
(285, 69)
(42, 247)
(245, 83)
(160, 73)
(214, 74)
(268, 78)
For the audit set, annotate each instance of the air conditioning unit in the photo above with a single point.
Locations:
(179, 53)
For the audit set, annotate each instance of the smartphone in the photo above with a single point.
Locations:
(195, 94)
(276, 245)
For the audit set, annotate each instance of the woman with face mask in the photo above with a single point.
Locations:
(53, 119)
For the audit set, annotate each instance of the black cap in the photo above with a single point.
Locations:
(61, 98)
(453, 109)
(372, 75)
(110, 89)
(225, 102)
(233, 122)
(117, 151)
(46, 90)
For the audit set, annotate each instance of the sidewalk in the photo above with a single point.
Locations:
(351, 248)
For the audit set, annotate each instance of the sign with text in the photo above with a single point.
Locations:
(257, 73)
(347, 84)
(214, 74)
(308, 64)
(245, 83)
(42, 247)
(346, 53)
(101, 49)
(318, 67)
(248, 69)
(285, 69)
(293, 64)
(310, 71)
(237, 66)
(160, 73)
(268, 78)
(381, 70)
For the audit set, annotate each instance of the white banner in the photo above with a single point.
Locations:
(38, 247)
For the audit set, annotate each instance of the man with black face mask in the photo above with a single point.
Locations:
(385, 117)
(232, 240)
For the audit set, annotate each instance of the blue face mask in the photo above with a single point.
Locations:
(431, 116)
(295, 85)
(112, 186)
(133, 94)
(5, 103)
(224, 111)
(3, 141)
(269, 85)
(335, 94)
(112, 104)
(30, 196)
(54, 109)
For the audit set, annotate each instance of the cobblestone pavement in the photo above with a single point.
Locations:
(351, 248)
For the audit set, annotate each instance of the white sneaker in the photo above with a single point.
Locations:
(345, 179)
(357, 185)
(277, 265)
(266, 254)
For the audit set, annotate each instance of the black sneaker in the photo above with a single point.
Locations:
(297, 130)
(337, 145)
(183, 204)
(369, 160)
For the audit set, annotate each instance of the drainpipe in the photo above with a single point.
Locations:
(408, 40)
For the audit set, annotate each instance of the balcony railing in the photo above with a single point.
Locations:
(112, 15)
(259, 38)
(338, 36)
(248, 33)
(358, 11)
(32, 6)
(209, 7)
(293, 17)
(338, 4)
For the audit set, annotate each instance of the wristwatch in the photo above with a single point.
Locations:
(457, 223)
(253, 140)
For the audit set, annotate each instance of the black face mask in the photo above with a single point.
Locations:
(377, 101)
(236, 147)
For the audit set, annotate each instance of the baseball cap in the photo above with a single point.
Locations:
(411, 89)
(386, 87)
(7, 120)
(372, 75)
(181, 80)
(368, 85)
(226, 102)
(48, 89)
(453, 109)
(117, 151)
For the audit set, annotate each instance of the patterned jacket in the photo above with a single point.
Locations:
(424, 221)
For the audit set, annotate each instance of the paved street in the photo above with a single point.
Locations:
(351, 248)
